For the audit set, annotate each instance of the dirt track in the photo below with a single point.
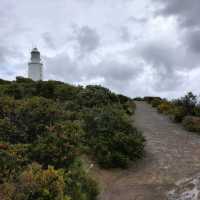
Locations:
(172, 154)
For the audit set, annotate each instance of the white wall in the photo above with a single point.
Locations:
(35, 71)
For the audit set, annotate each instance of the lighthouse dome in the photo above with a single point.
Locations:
(35, 49)
(35, 55)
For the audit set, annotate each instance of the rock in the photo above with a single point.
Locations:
(186, 189)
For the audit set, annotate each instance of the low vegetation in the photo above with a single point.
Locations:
(47, 128)
(185, 110)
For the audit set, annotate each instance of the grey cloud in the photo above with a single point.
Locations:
(159, 55)
(115, 74)
(192, 40)
(3, 52)
(61, 67)
(48, 40)
(88, 39)
(165, 64)
(168, 81)
(8, 52)
(187, 11)
(137, 20)
(125, 35)
(116, 71)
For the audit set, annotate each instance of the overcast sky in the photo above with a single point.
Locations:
(134, 47)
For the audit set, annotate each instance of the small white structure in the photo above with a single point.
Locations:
(35, 66)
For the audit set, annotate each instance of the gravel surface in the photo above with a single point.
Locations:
(172, 154)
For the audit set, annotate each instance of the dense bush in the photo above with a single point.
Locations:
(50, 123)
(178, 114)
(9, 131)
(113, 140)
(59, 148)
(78, 185)
(13, 158)
(26, 120)
(156, 102)
(197, 111)
(188, 102)
(129, 107)
(150, 99)
(36, 183)
(93, 96)
(165, 107)
(192, 123)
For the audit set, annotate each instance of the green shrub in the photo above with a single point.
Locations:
(35, 115)
(129, 107)
(178, 114)
(113, 140)
(36, 183)
(192, 123)
(9, 131)
(188, 102)
(8, 107)
(123, 99)
(59, 147)
(14, 90)
(156, 102)
(25, 120)
(13, 158)
(165, 107)
(150, 99)
(78, 184)
(197, 111)
(96, 96)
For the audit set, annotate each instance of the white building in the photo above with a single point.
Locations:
(35, 66)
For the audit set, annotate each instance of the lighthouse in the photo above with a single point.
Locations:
(35, 66)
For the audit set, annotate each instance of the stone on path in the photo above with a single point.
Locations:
(186, 189)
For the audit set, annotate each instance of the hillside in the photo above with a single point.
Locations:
(50, 130)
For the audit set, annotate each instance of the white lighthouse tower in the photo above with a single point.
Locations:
(35, 66)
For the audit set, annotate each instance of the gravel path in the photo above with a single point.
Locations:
(172, 155)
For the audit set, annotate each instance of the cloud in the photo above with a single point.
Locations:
(88, 40)
(167, 69)
(48, 40)
(137, 20)
(61, 67)
(125, 35)
(186, 11)
(192, 40)
(119, 76)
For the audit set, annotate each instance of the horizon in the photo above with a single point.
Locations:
(140, 48)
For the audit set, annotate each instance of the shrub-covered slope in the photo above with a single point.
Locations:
(46, 127)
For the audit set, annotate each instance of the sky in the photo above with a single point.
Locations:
(133, 47)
